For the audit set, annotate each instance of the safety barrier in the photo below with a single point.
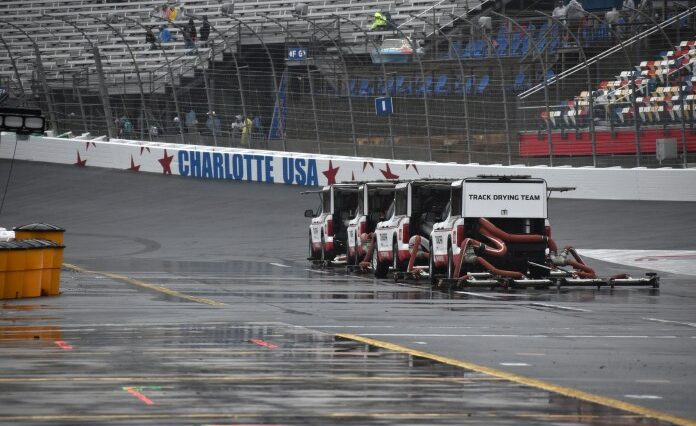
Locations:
(204, 162)
(30, 265)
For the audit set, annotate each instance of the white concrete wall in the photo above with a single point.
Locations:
(309, 169)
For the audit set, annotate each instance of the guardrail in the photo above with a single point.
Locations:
(289, 168)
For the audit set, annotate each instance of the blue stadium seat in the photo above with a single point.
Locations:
(502, 41)
(468, 50)
(550, 74)
(483, 84)
(405, 87)
(602, 32)
(379, 88)
(441, 85)
(365, 88)
(399, 83)
(459, 87)
(469, 85)
(351, 88)
(428, 85)
(480, 49)
(542, 37)
(520, 82)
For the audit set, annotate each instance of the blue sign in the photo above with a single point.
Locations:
(383, 105)
(297, 54)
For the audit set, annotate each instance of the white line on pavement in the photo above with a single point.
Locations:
(643, 396)
(563, 308)
(688, 324)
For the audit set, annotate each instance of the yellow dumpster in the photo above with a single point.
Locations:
(44, 231)
(57, 262)
(32, 268)
(49, 250)
(14, 275)
(4, 253)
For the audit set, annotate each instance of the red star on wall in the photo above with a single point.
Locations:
(331, 173)
(133, 167)
(388, 173)
(88, 144)
(166, 163)
(367, 163)
(143, 148)
(80, 162)
(414, 167)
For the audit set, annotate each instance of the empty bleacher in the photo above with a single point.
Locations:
(657, 97)
(65, 50)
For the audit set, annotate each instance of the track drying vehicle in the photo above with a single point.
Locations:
(496, 233)
(328, 229)
(402, 239)
(374, 199)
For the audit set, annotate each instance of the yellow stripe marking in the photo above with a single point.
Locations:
(143, 284)
(527, 381)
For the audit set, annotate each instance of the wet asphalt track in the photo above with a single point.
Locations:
(240, 330)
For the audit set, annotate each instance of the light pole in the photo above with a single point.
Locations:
(42, 76)
(103, 91)
(227, 10)
(169, 69)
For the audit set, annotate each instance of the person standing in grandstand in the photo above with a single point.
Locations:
(191, 121)
(213, 123)
(205, 31)
(150, 38)
(190, 34)
(164, 35)
(574, 10)
(380, 21)
(236, 126)
(125, 127)
(559, 12)
(246, 130)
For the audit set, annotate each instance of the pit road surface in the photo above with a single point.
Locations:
(193, 303)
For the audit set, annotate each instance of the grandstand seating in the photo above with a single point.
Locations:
(63, 48)
(657, 93)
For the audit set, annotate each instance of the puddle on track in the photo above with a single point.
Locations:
(257, 373)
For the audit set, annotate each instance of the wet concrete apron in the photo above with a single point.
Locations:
(192, 303)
